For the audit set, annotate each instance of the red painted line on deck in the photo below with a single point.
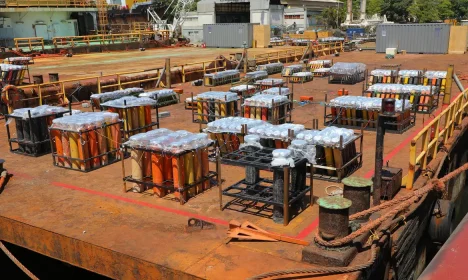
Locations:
(305, 232)
(141, 203)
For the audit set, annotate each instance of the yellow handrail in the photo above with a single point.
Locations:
(30, 42)
(437, 132)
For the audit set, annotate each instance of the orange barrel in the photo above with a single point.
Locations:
(102, 144)
(157, 170)
(179, 177)
(258, 113)
(246, 111)
(197, 165)
(73, 138)
(94, 148)
(135, 121)
(167, 171)
(205, 168)
(223, 109)
(141, 118)
(83, 151)
(136, 157)
(57, 140)
(264, 114)
(66, 149)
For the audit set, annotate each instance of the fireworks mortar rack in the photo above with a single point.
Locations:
(334, 160)
(99, 98)
(301, 77)
(214, 105)
(86, 141)
(424, 99)
(12, 74)
(256, 75)
(221, 78)
(164, 97)
(347, 73)
(321, 72)
(362, 113)
(135, 113)
(382, 76)
(271, 68)
(319, 64)
(275, 109)
(169, 162)
(244, 91)
(25, 61)
(269, 83)
(284, 195)
(31, 129)
(288, 71)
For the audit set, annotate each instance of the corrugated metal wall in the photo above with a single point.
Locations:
(414, 38)
(228, 35)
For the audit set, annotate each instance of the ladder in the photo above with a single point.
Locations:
(102, 16)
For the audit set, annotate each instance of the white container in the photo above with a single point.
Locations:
(391, 51)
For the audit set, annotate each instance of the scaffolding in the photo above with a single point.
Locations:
(102, 16)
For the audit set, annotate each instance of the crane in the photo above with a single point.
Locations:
(179, 9)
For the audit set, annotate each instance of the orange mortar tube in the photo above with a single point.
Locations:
(179, 177)
(94, 148)
(148, 117)
(83, 151)
(57, 138)
(235, 142)
(197, 165)
(264, 114)
(102, 144)
(135, 117)
(167, 171)
(157, 164)
(227, 142)
(247, 112)
(116, 136)
(141, 118)
(66, 149)
(189, 172)
(73, 138)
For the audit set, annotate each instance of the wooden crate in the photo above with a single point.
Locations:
(261, 35)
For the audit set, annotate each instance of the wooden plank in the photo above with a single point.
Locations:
(458, 41)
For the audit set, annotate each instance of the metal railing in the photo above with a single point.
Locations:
(32, 43)
(43, 93)
(101, 39)
(437, 132)
(50, 3)
(287, 55)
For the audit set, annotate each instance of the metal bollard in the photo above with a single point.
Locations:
(357, 190)
(333, 217)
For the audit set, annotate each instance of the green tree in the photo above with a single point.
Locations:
(431, 10)
(332, 17)
(460, 9)
(396, 10)
(445, 9)
(374, 7)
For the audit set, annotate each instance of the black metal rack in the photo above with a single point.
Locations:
(32, 136)
(170, 185)
(85, 164)
(286, 190)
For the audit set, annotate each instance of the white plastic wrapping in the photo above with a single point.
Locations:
(383, 72)
(241, 88)
(106, 96)
(282, 157)
(328, 137)
(130, 101)
(165, 140)
(39, 111)
(265, 100)
(85, 121)
(322, 70)
(410, 73)
(331, 39)
(366, 103)
(232, 125)
(277, 132)
(302, 74)
(435, 74)
(400, 88)
(158, 93)
(223, 74)
(11, 67)
(251, 141)
(271, 66)
(321, 63)
(260, 74)
(270, 82)
(276, 91)
(345, 68)
(218, 95)
(302, 149)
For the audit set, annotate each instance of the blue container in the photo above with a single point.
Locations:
(351, 32)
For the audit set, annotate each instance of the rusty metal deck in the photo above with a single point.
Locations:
(86, 220)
